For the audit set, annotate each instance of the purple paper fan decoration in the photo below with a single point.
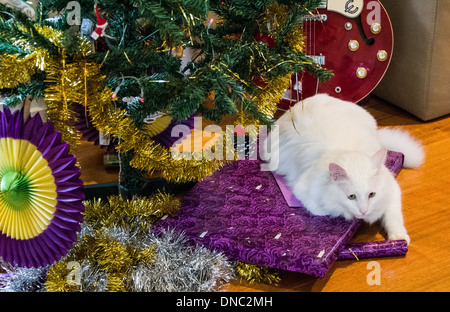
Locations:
(41, 195)
(166, 139)
(87, 129)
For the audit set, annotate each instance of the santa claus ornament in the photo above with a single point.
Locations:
(100, 26)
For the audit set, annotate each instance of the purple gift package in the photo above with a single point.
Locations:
(251, 216)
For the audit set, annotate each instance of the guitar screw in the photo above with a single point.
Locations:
(353, 45)
(348, 26)
(382, 55)
(338, 90)
(361, 72)
(375, 28)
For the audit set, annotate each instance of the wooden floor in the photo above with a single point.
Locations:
(426, 205)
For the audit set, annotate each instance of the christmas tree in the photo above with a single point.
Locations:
(133, 69)
(123, 61)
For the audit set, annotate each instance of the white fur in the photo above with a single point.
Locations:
(397, 140)
(338, 151)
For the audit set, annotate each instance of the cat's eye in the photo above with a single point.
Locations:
(372, 194)
(352, 196)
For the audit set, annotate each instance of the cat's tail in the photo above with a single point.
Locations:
(397, 140)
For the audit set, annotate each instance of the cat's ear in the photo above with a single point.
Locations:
(379, 158)
(337, 173)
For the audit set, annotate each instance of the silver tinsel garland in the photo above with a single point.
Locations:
(180, 267)
(177, 266)
(23, 279)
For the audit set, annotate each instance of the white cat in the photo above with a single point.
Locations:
(333, 159)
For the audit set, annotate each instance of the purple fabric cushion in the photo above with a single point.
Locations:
(241, 212)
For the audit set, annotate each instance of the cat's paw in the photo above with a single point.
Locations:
(399, 236)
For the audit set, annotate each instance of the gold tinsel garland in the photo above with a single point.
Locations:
(62, 78)
(69, 84)
(106, 215)
(97, 246)
(295, 39)
(15, 70)
(58, 98)
(257, 274)
(271, 94)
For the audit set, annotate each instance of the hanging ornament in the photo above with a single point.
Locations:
(40, 192)
(100, 26)
(86, 29)
(20, 5)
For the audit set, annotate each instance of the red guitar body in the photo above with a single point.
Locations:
(357, 59)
